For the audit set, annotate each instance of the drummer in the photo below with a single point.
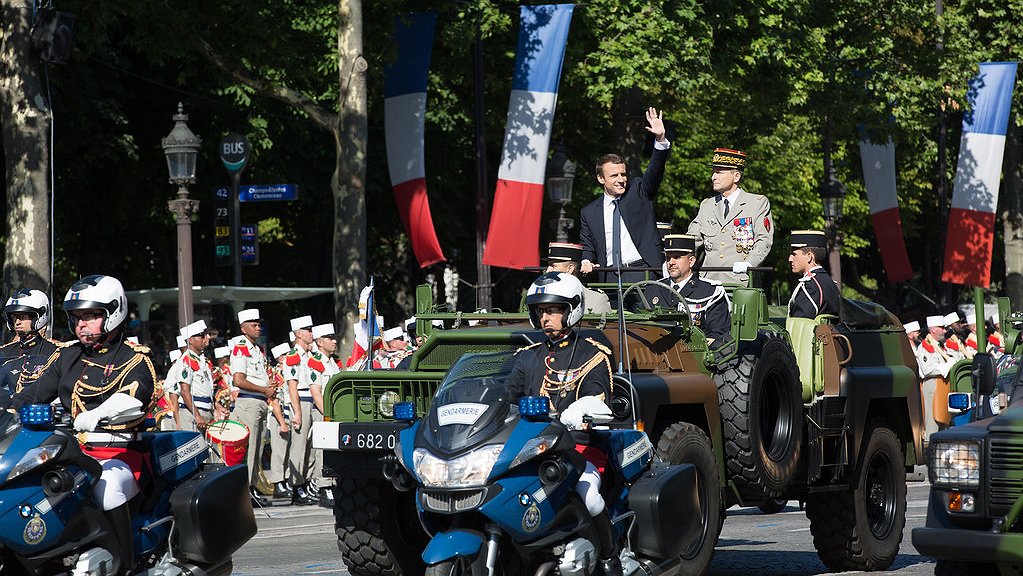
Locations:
(195, 380)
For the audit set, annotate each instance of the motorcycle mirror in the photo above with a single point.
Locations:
(983, 371)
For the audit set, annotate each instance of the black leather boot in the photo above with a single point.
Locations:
(610, 562)
(302, 498)
(257, 499)
(282, 490)
(327, 497)
(120, 520)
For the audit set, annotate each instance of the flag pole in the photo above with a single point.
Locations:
(371, 323)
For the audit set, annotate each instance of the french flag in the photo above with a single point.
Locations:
(879, 177)
(404, 129)
(513, 240)
(368, 324)
(971, 221)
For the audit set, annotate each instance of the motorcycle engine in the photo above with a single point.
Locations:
(579, 558)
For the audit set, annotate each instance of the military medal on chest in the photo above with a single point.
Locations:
(742, 233)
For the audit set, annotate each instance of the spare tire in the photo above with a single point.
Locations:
(762, 418)
(378, 529)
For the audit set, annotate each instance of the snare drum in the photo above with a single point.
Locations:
(230, 438)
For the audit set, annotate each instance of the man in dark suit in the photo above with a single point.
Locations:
(627, 206)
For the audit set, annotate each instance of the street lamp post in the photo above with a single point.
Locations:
(560, 178)
(181, 147)
(832, 197)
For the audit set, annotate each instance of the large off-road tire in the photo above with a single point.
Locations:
(378, 532)
(773, 505)
(762, 416)
(684, 443)
(861, 529)
(950, 568)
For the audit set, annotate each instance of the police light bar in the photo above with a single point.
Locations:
(534, 406)
(959, 401)
(36, 415)
(405, 411)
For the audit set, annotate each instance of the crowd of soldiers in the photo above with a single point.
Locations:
(948, 339)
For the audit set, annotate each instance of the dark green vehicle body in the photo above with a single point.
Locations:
(812, 425)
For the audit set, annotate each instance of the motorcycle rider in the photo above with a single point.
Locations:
(26, 312)
(575, 373)
(99, 375)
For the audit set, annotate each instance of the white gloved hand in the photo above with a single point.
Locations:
(590, 406)
(117, 404)
(740, 267)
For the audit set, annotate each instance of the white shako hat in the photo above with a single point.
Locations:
(194, 329)
(913, 326)
(936, 321)
(321, 330)
(221, 352)
(280, 350)
(394, 333)
(249, 315)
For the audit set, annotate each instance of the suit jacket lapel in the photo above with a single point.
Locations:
(598, 230)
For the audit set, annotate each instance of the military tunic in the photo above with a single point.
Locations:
(815, 294)
(321, 369)
(709, 308)
(251, 407)
(933, 363)
(197, 372)
(564, 370)
(83, 377)
(21, 361)
(746, 235)
(296, 369)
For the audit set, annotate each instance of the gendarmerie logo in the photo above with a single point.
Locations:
(531, 519)
(35, 530)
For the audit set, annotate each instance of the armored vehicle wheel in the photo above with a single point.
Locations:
(684, 443)
(949, 568)
(861, 529)
(378, 532)
(773, 505)
(761, 412)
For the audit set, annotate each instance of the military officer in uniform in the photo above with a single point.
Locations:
(298, 380)
(706, 300)
(734, 227)
(565, 257)
(248, 369)
(933, 362)
(912, 333)
(97, 376)
(575, 373)
(280, 430)
(815, 293)
(322, 367)
(27, 313)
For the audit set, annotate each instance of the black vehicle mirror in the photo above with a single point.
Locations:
(983, 372)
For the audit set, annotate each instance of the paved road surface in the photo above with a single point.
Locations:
(300, 540)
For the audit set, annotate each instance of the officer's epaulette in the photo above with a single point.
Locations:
(292, 359)
(56, 343)
(599, 346)
(67, 344)
(711, 281)
(528, 347)
(139, 348)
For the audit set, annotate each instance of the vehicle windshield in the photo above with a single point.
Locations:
(9, 423)
(471, 404)
(1007, 377)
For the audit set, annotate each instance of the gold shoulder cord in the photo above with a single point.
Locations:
(83, 391)
(565, 381)
(23, 380)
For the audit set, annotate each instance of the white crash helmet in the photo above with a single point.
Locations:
(28, 301)
(556, 288)
(100, 292)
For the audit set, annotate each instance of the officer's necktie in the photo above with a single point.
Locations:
(726, 210)
(616, 234)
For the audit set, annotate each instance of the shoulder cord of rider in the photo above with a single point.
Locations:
(552, 386)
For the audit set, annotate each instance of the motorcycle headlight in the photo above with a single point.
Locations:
(33, 458)
(955, 465)
(466, 471)
(534, 447)
(386, 403)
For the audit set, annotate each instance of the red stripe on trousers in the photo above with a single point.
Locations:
(968, 247)
(514, 237)
(415, 215)
(891, 244)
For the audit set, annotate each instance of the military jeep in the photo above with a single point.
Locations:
(826, 410)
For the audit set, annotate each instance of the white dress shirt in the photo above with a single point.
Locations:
(629, 251)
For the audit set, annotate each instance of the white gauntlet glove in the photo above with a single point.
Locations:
(117, 404)
(740, 267)
(590, 406)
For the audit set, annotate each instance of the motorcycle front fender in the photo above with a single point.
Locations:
(452, 544)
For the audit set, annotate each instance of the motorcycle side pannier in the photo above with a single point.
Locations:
(213, 513)
(667, 508)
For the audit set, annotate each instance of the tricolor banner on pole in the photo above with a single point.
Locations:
(513, 240)
(879, 177)
(971, 221)
(404, 130)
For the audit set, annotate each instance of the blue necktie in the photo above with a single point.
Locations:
(726, 209)
(616, 234)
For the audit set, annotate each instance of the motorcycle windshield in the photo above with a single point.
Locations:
(470, 405)
(9, 426)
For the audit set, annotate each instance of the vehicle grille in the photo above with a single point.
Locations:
(1005, 479)
(451, 502)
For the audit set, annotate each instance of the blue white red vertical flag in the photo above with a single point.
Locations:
(513, 240)
(971, 221)
(369, 323)
(878, 162)
(404, 131)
